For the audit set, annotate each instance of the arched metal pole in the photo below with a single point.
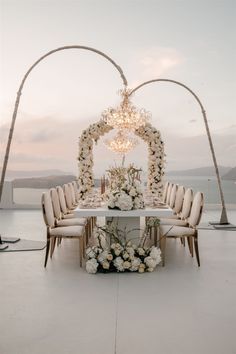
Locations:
(223, 218)
(13, 120)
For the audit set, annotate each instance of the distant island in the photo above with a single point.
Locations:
(230, 175)
(42, 182)
(12, 174)
(201, 171)
(46, 182)
(52, 178)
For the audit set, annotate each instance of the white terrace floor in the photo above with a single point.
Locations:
(179, 309)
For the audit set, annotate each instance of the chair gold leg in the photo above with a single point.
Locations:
(196, 249)
(81, 251)
(47, 252)
(52, 248)
(84, 244)
(190, 244)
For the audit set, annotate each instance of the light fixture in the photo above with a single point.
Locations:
(126, 115)
(121, 143)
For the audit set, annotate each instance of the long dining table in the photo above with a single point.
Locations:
(129, 219)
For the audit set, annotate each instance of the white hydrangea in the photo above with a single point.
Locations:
(119, 264)
(156, 254)
(91, 266)
(135, 263)
(124, 202)
(150, 262)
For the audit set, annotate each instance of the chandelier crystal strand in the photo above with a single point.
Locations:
(121, 143)
(126, 115)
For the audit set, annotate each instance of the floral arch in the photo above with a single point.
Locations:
(147, 133)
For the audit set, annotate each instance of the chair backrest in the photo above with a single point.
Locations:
(75, 186)
(62, 200)
(165, 192)
(196, 210)
(68, 196)
(72, 193)
(179, 199)
(187, 203)
(56, 203)
(168, 193)
(173, 195)
(47, 208)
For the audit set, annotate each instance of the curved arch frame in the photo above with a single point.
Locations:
(224, 218)
(17, 101)
(147, 133)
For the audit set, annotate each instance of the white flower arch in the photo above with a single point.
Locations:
(156, 155)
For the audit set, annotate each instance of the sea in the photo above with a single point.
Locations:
(207, 185)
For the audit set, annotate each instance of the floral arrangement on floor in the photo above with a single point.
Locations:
(155, 156)
(113, 252)
(125, 192)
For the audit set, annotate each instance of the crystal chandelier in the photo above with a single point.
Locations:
(121, 143)
(126, 115)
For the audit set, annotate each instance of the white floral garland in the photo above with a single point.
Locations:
(155, 156)
(86, 141)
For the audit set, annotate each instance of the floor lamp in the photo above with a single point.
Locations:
(17, 101)
(223, 223)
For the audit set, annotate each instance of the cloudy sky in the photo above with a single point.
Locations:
(185, 40)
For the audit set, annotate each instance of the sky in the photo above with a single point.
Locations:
(184, 40)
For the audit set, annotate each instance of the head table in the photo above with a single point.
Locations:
(129, 219)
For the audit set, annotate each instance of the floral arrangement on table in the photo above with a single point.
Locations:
(155, 156)
(125, 191)
(113, 252)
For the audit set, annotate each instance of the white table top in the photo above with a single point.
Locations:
(104, 211)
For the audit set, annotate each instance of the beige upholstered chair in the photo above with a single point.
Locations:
(189, 231)
(54, 232)
(179, 199)
(76, 190)
(68, 197)
(182, 207)
(173, 195)
(168, 193)
(73, 196)
(165, 192)
(59, 220)
(67, 214)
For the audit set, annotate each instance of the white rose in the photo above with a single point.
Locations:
(106, 265)
(91, 266)
(141, 251)
(117, 252)
(141, 269)
(109, 257)
(126, 265)
(102, 256)
(130, 250)
(150, 269)
(125, 255)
